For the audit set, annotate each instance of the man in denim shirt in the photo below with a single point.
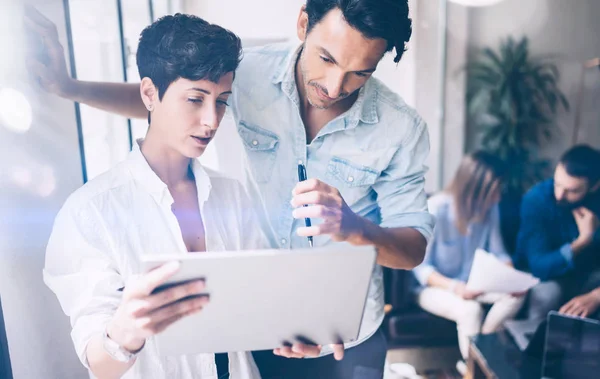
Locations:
(559, 238)
(364, 149)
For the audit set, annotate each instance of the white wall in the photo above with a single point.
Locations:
(39, 169)
(568, 30)
(447, 140)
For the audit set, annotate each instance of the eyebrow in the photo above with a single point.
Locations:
(329, 56)
(208, 92)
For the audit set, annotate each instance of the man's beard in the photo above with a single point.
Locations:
(308, 85)
(571, 206)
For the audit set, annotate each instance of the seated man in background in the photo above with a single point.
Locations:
(467, 219)
(559, 239)
(159, 200)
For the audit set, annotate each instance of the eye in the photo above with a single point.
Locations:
(222, 103)
(195, 100)
(325, 59)
(361, 74)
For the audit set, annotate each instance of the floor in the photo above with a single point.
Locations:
(430, 363)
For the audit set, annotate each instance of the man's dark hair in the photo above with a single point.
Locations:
(582, 161)
(387, 19)
(185, 46)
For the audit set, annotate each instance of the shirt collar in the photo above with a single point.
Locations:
(364, 108)
(147, 179)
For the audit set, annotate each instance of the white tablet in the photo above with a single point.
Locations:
(264, 299)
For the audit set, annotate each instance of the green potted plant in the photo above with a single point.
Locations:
(513, 99)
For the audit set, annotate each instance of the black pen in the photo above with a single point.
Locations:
(301, 178)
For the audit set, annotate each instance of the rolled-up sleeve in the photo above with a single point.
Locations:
(80, 271)
(401, 186)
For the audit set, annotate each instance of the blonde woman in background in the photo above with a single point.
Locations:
(467, 219)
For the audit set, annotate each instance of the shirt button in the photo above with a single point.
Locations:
(283, 241)
(351, 179)
(255, 142)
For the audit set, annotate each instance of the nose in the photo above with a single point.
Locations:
(560, 194)
(335, 85)
(210, 117)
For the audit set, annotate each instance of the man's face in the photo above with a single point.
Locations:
(569, 191)
(336, 60)
(190, 112)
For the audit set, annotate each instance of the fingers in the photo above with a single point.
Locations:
(567, 308)
(181, 307)
(314, 211)
(159, 320)
(287, 352)
(176, 293)
(37, 21)
(338, 351)
(306, 350)
(159, 328)
(316, 230)
(298, 350)
(147, 283)
(314, 197)
(310, 185)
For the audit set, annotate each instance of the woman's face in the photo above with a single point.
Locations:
(190, 112)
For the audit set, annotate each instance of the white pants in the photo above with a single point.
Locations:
(468, 314)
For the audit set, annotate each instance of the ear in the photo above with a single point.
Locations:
(149, 93)
(302, 26)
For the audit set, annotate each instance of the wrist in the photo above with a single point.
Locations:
(69, 89)
(360, 234)
(131, 344)
(581, 242)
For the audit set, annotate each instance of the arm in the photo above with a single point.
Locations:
(86, 282)
(545, 261)
(80, 270)
(406, 224)
(50, 71)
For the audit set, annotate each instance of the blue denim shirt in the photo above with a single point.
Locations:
(373, 154)
(451, 253)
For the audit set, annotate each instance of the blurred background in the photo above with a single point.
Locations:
(458, 57)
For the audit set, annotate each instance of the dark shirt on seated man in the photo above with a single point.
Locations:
(559, 238)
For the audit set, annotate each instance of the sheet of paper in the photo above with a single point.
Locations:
(491, 275)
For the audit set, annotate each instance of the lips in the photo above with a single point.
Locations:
(202, 140)
(322, 94)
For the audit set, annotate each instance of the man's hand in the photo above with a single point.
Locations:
(587, 223)
(583, 305)
(143, 314)
(461, 290)
(45, 57)
(300, 350)
(325, 202)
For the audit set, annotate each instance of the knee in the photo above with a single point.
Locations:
(545, 293)
(471, 312)
(543, 298)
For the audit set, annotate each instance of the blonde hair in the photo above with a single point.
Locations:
(475, 187)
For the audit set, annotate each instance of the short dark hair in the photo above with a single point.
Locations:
(387, 19)
(186, 46)
(582, 161)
